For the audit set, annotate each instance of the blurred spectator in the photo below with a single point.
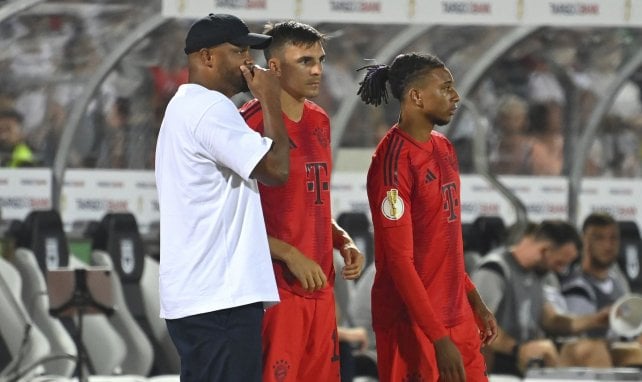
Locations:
(596, 284)
(543, 85)
(511, 282)
(511, 152)
(79, 62)
(14, 152)
(545, 124)
(340, 82)
(169, 70)
(36, 51)
(616, 150)
(43, 49)
(111, 150)
(6, 100)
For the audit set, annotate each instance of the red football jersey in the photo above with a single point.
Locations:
(413, 190)
(299, 212)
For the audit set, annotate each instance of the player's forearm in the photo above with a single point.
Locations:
(280, 250)
(475, 300)
(339, 236)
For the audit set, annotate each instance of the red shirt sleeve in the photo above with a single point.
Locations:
(399, 263)
(468, 284)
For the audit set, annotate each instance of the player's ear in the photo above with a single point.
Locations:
(206, 57)
(416, 98)
(274, 65)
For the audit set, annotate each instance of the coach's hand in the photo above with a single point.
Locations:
(263, 83)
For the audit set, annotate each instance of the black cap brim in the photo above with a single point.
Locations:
(253, 40)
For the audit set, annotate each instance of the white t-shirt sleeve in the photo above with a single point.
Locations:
(229, 140)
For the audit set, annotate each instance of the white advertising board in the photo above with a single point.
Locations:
(357, 11)
(543, 197)
(24, 190)
(460, 12)
(90, 194)
(249, 10)
(618, 197)
(575, 12)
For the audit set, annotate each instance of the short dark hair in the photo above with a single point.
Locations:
(404, 70)
(516, 231)
(598, 219)
(11, 113)
(559, 232)
(292, 32)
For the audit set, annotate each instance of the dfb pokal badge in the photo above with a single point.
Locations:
(392, 205)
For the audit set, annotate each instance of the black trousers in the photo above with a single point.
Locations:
(224, 345)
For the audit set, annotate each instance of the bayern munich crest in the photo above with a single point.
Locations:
(392, 205)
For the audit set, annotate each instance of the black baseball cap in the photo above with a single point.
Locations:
(217, 29)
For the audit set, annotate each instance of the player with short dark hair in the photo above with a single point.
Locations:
(300, 340)
(429, 320)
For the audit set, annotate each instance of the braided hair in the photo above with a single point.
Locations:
(405, 69)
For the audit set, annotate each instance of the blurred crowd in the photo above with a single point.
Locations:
(552, 290)
(538, 96)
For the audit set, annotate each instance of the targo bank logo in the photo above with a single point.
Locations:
(101, 204)
(466, 7)
(242, 4)
(355, 6)
(575, 9)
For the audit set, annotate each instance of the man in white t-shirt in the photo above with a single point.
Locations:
(216, 275)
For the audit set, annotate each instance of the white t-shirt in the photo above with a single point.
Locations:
(214, 252)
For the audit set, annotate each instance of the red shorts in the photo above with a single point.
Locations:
(300, 341)
(404, 353)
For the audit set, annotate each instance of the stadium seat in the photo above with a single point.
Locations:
(41, 245)
(164, 378)
(23, 347)
(486, 233)
(630, 251)
(36, 301)
(503, 378)
(117, 241)
(564, 374)
(94, 378)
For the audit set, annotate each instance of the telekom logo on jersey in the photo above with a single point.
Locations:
(317, 179)
(451, 201)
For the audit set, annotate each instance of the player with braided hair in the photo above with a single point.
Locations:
(429, 320)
